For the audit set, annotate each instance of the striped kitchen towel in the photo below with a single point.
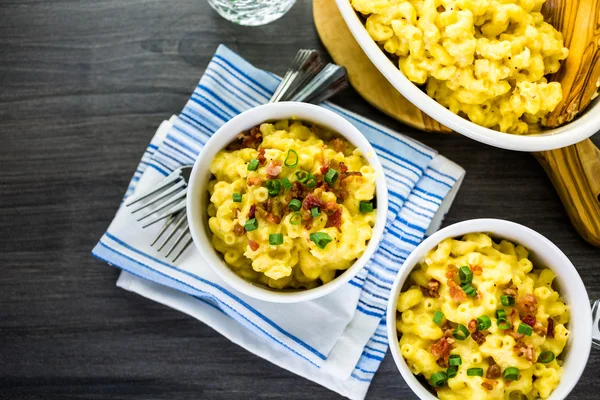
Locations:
(339, 340)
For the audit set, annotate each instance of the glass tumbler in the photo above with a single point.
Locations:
(251, 12)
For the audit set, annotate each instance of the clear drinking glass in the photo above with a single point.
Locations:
(251, 12)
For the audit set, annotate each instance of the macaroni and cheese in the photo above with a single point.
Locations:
(480, 322)
(483, 59)
(292, 206)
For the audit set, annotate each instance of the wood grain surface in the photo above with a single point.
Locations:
(83, 86)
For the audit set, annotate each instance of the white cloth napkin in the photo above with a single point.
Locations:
(339, 340)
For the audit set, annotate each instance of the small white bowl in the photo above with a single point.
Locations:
(198, 199)
(543, 253)
(584, 126)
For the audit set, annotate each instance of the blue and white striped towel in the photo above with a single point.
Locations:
(338, 341)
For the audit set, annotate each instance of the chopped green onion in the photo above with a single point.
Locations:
(291, 164)
(285, 182)
(461, 332)
(321, 239)
(438, 316)
(274, 187)
(468, 289)
(296, 218)
(546, 357)
(314, 212)
(475, 372)
(295, 205)
(524, 329)
(251, 225)
(465, 274)
(511, 374)
(365, 206)
(253, 165)
(237, 197)
(331, 176)
(275, 239)
(302, 176)
(483, 323)
(439, 379)
(507, 300)
(311, 182)
(451, 372)
(503, 324)
(454, 360)
(500, 314)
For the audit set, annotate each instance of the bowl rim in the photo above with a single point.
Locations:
(584, 126)
(201, 234)
(579, 343)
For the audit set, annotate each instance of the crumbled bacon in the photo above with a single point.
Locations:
(451, 271)
(540, 329)
(344, 175)
(489, 384)
(324, 168)
(442, 362)
(238, 230)
(478, 337)
(253, 245)
(297, 190)
(272, 218)
(432, 289)
(511, 290)
(515, 335)
(334, 219)
(247, 139)
(472, 326)
(525, 350)
(550, 328)
(274, 168)
(441, 349)
(527, 304)
(343, 168)
(337, 144)
(529, 320)
(512, 316)
(477, 270)
(261, 157)
(312, 201)
(494, 371)
(456, 292)
(252, 211)
(254, 180)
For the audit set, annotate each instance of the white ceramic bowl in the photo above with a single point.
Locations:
(584, 126)
(198, 201)
(543, 253)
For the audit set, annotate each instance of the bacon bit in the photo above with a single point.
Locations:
(432, 289)
(337, 144)
(239, 230)
(525, 351)
(253, 245)
(324, 167)
(493, 372)
(345, 175)
(334, 219)
(341, 194)
(477, 270)
(274, 168)
(247, 139)
(489, 384)
(472, 326)
(442, 362)
(540, 329)
(343, 168)
(478, 337)
(550, 328)
(451, 271)
(529, 320)
(517, 336)
(261, 157)
(456, 292)
(312, 201)
(511, 290)
(513, 315)
(252, 211)
(272, 218)
(297, 190)
(441, 349)
(527, 304)
(254, 180)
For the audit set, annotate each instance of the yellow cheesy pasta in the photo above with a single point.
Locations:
(482, 59)
(478, 321)
(291, 205)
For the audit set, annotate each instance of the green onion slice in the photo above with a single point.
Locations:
(483, 323)
(321, 239)
(468, 289)
(285, 182)
(475, 372)
(465, 274)
(296, 218)
(507, 300)
(511, 374)
(251, 225)
(454, 360)
(451, 372)
(311, 182)
(438, 316)
(461, 332)
(275, 239)
(503, 324)
(237, 197)
(439, 379)
(274, 187)
(253, 165)
(314, 212)
(545, 357)
(365, 206)
(500, 314)
(331, 176)
(293, 162)
(295, 205)
(302, 176)
(524, 329)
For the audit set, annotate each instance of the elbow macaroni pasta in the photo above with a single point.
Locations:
(482, 59)
(298, 262)
(497, 268)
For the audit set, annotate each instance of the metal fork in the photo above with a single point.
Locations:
(596, 324)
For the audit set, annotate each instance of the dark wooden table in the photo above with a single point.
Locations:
(83, 85)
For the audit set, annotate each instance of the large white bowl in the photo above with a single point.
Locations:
(198, 201)
(584, 126)
(543, 253)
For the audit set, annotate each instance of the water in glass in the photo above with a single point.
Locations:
(251, 12)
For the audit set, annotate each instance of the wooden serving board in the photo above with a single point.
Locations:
(574, 170)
